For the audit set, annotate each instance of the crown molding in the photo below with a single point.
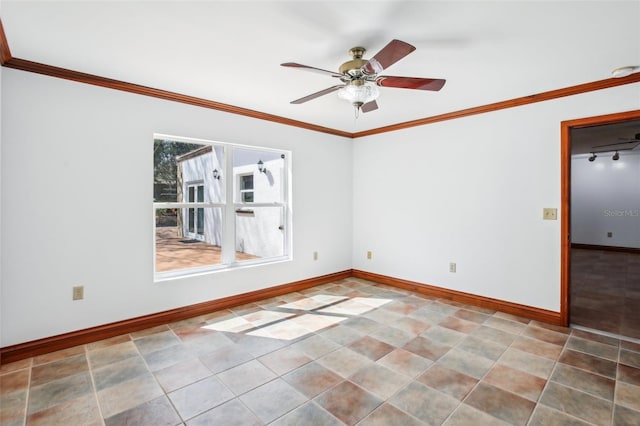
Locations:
(7, 60)
(5, 52)
(525, 100)
(80, 77)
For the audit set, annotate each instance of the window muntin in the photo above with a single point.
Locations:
(197, 228)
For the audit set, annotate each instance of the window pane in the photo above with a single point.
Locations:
(246, 182)
(179, 247)
(192, 220)
(267, 185)
(259, 233)
(178, 163)
(200, 221)
(247, 196)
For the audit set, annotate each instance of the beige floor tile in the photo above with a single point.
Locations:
(628, 395)
(578, 404)
(129, 394)
(80, 411)
(198, 397)
(424, 403)
(182, 374)
(501, 404)
(381, 356)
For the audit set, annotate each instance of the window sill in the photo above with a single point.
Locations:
(214, 269)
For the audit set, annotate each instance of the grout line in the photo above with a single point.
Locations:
(26, 399)
(620, 337)
(401, 295)
(93, 384)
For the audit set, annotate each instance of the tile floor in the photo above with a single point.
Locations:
(605, 291)
(348, 352)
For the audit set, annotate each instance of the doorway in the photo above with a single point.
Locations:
(598, 279)
(195, 216)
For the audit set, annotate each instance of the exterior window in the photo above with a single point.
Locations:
(246, 188)
(198, 228)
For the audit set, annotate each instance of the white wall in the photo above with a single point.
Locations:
(77, 194)
(471, 191)
(258, 233)
(605, 197)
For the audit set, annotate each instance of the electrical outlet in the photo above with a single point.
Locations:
(452, 267)
(549, 214)
(78, 292)
(315, 255)
(369, 255)
(609, 234)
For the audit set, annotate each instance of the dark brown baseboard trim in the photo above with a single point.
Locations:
(80, 337)
(468, 298)
(605, 248)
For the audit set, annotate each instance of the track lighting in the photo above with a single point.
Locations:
(614, 157)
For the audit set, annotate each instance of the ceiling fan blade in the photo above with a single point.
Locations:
(317, 94)
(434, 84)
(313, 69)
(389, 55)
(369, 106)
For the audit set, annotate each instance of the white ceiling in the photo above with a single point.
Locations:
(231, 52)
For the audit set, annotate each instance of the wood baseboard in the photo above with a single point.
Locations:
(80, 337)
(468, 298)
(632, 250)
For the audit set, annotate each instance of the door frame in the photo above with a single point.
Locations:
(565, 196)
(196, 211)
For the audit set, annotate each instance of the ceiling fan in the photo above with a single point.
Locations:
(360, 77)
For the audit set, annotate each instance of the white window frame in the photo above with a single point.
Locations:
(229, 206)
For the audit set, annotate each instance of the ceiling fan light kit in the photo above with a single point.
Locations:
(358, 94)
(360, 77)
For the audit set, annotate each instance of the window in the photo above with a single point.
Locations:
(199, 228)
(246, 188)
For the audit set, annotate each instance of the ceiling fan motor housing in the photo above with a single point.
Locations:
(353, 68)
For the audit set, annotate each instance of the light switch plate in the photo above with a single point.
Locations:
(549, 214)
